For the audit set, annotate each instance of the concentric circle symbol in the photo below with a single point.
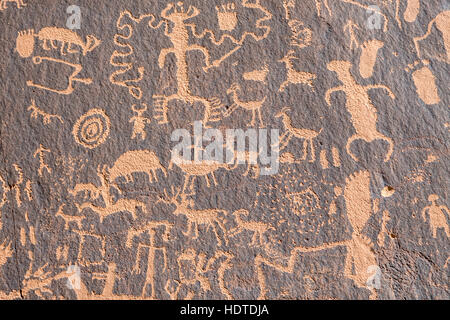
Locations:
(92, 129)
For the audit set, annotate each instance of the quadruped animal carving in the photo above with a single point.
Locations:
(177, 15)
(49, 35)
(306, 134)
(46, 117)
(209, 217)
(111, 206)
(193, 169)
(293, 76)
(136, 161)
(253, 106)
(243, 224)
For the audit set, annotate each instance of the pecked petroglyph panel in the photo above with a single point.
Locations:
(347, 200)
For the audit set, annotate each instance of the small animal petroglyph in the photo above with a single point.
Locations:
(253, 106)
(111, 206)
(136, 161)
(306, 134)
(243, 224)
(212, 218)
(69, 218)
(49, 35)
(193, 169)
(359, 105)
(293, 76)
(46, 118)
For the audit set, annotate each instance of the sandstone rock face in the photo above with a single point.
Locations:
(347, 200)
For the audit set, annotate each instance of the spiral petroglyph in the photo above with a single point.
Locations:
(91, 129)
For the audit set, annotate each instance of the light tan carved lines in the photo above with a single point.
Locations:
(319, 4)
(435, 215)
(209, 217)
(136, 161)
(300, 35)
(5, 253)
(359, 105)
(42, 165)
(127, 164)
(423, 78)
(48, 35)
(304, 202)
(16, 186)
(253, 106)
(411, 11)
(243, 224)
(200, 266)
(360, 253)
(72, 78)
(179, 37)
(257, 75)
(424, 81)
(442, 22)
(150, 268)
(369, 50)
(46, 118)
(306, 134)
(193, 169)
(255, 4)
(69, 218)
(19, 4)
(288, 4)
(335, 157)
(293, 76)
(25, 46)
(124, 67)
(139, 122)
(288, 266)
(251, 158)
(226, 16)
(91, 129)
(4, 198)
(111, 207)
